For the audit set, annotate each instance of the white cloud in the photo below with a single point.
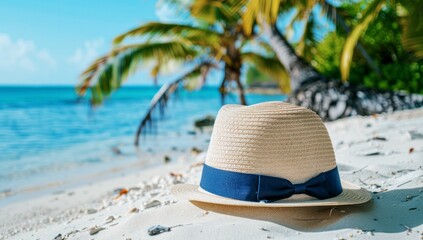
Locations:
(22, 54)
(45, 56)
(88, 53)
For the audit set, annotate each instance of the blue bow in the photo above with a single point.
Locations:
(261, 188)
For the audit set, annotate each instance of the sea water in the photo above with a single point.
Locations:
(48, 132)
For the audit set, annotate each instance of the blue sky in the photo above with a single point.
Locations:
(49, 42)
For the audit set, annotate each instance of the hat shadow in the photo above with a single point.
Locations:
(390, 212)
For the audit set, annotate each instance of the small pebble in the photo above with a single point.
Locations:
(154, 203)
(154, 230)
(59, 237)
(91, 211)
(134, 210)
(95, 230)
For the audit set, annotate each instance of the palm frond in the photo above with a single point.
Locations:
(172, 31)
(289, 28)
(156, 70)
(265, 47)
(257, 45)
(197, 79)
(267, 10)
(351, 41)
(333, 13)
(161, 98)
(88, 74)
(270, 66)
(212, 11)
(412, 22)
(337, 16)
(109, 72)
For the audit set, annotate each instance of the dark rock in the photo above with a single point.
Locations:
(207, 121)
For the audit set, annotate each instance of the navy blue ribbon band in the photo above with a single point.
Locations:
(261, 188)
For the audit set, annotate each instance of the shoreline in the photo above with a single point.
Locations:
(83, 179)
(110, 164)
(382, 153)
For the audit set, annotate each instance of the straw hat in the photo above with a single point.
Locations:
(271, 154)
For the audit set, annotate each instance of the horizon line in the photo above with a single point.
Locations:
(73, 86)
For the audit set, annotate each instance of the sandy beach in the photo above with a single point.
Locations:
(381, 153)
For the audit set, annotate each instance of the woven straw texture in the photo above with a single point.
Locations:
(275, 139)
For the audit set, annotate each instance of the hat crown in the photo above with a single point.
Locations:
(272, 138)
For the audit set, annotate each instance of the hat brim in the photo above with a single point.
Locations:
(351, 195)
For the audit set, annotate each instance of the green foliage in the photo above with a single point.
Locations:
(110, 71)
(327, 59)
(255, 76)
(264, 69)
(370, 14)
(267, 10)
(383, 41)
(412, 20)
(214, 36)
(157, 30)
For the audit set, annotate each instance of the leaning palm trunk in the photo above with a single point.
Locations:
(162, 97)
(332, 99)
(299, 70)
(160, 100)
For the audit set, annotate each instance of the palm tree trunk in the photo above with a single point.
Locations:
(222, 90)
(299, 70)
(234, 75)
(233, 70)
(332, 99)
(159, 101)
(241, 92)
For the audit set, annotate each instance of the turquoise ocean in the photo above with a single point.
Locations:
(48, 133)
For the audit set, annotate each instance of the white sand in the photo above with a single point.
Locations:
(373, 152)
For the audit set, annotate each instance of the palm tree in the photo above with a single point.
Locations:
(331, 99)
(213, 41)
